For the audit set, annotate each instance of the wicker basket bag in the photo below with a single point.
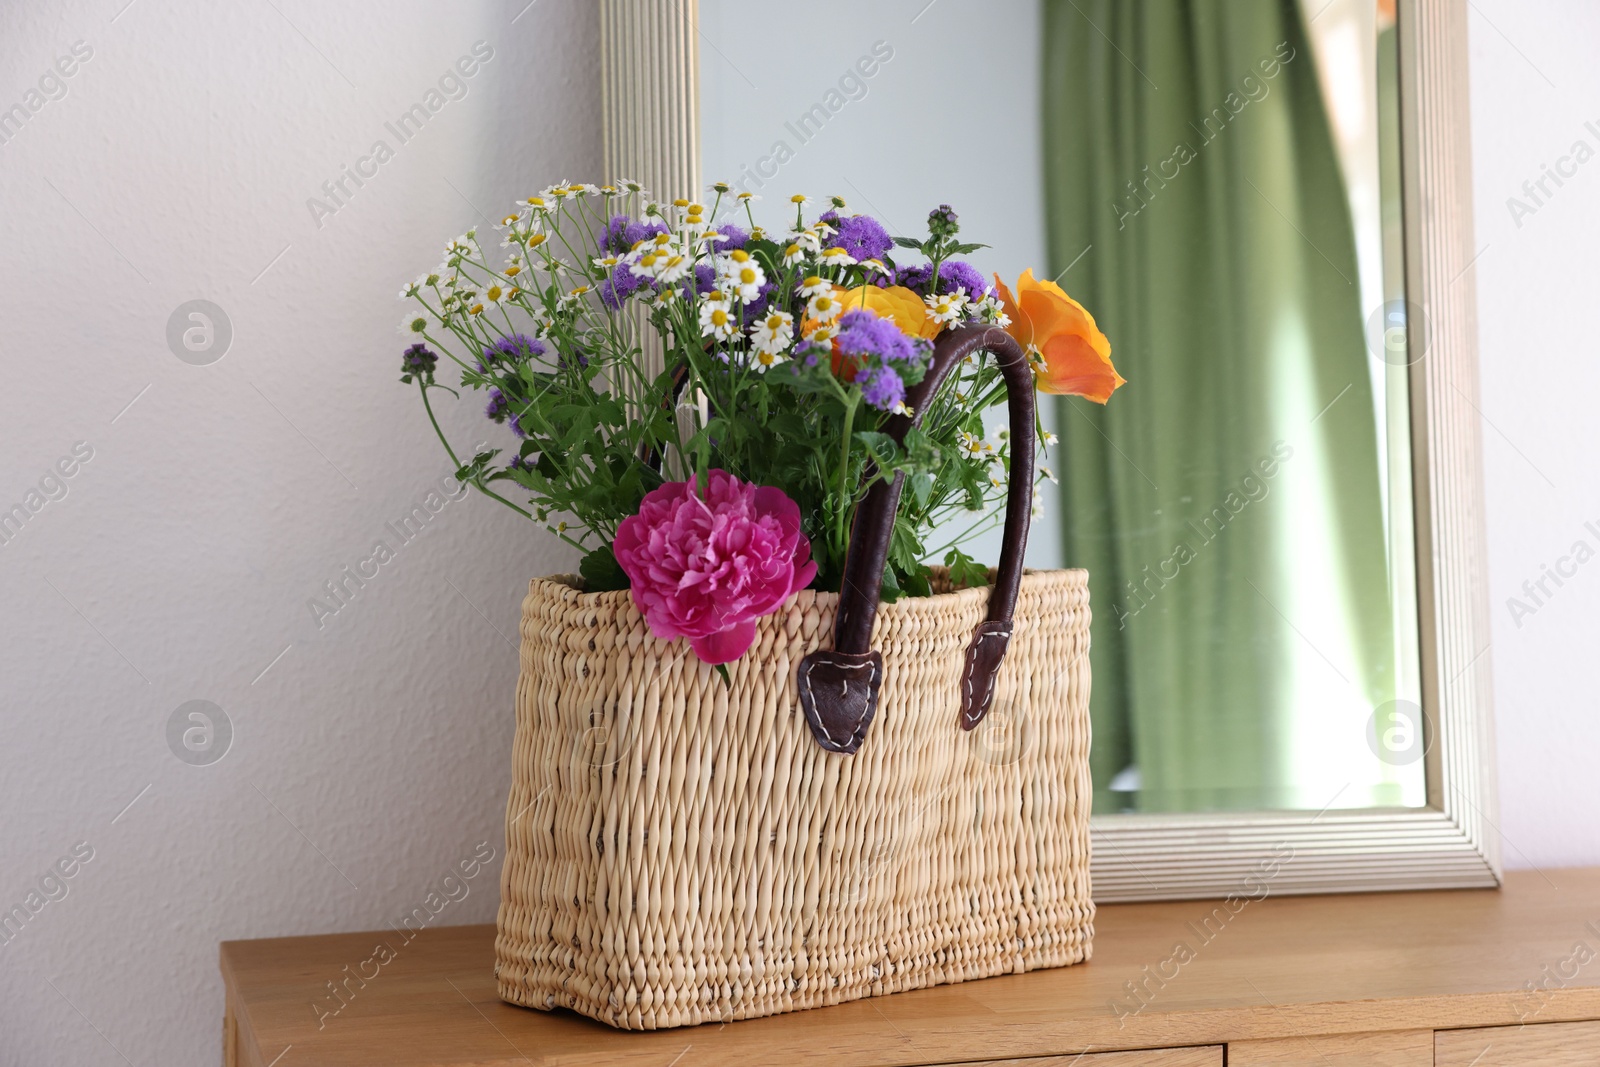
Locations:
(682, 851)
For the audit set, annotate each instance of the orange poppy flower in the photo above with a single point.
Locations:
(1076, 355)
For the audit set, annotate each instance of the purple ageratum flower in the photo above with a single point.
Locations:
(953, 274)
(730, 237)
(881, 387)
(622, 233)
(943, 221)
(641, 231)
(418, 359)
(516, 425)
(705, 280)
(497, 407)
(612, 236)
(622, 284)
(864, 334)
(511, 348)
(863, 237)
(830, 216)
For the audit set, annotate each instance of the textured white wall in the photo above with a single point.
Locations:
(179, 562)
(1535, 92)
(374, 754)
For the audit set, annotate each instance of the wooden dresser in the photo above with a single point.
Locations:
(1471, 978)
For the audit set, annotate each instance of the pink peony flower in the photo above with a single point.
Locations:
(707, 569)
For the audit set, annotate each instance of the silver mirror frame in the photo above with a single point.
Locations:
(650, 75)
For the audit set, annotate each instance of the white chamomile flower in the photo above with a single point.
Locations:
(1050, 474)
(1001, 434)
(772, 333)
(458, 246)
(512, 269)
(574, 298)
(411, 289)
(990, 309)
(585, 189)
(997, 474)
(744, 274)
(673, 267)
(824, 307)
(793, 254)
(973, 445)
(799, 199)
(630, 185)
(1048, 438)
(716, 320)
(822, 333)
(606, 263)
(814, 285)
(824, 228)
(764, 360)
(746, 198)
(1038, 504)
(414, 325)
(837, 257)
(555, 192)
(665, 296)
(876, 265)
(946, 308)
(537, 204)
(509, 220)
(902, 408)
(644, 264)
(806, 240)
(495, 293)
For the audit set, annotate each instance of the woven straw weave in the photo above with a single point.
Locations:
(679, 852)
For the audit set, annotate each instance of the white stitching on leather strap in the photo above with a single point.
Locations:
(972, 667)
(805, 680)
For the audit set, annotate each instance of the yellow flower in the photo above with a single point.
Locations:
(894, 302)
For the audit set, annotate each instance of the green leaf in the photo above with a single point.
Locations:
(965, 572)
(961, 250)
(908, 242)
(601, 571)
(884, 449)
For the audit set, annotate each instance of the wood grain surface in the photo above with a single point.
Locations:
(1163, 975)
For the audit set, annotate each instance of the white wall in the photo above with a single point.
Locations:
(1534, 86)
(179, 564)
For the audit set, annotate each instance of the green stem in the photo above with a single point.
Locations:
(844, 473)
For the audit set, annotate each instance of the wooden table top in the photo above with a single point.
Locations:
(1274, 967)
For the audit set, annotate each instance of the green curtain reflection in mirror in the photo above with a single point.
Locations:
(1228, 502)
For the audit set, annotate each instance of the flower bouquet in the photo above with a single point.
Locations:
(762, 442)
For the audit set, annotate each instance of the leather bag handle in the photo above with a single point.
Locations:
(839, 686)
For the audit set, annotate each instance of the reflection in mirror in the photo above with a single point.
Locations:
(1219, 183)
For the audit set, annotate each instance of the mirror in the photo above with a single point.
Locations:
(1220, 184)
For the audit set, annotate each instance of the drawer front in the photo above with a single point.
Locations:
(1400, 1048)
(1535, 1045)
(1199, 1056)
